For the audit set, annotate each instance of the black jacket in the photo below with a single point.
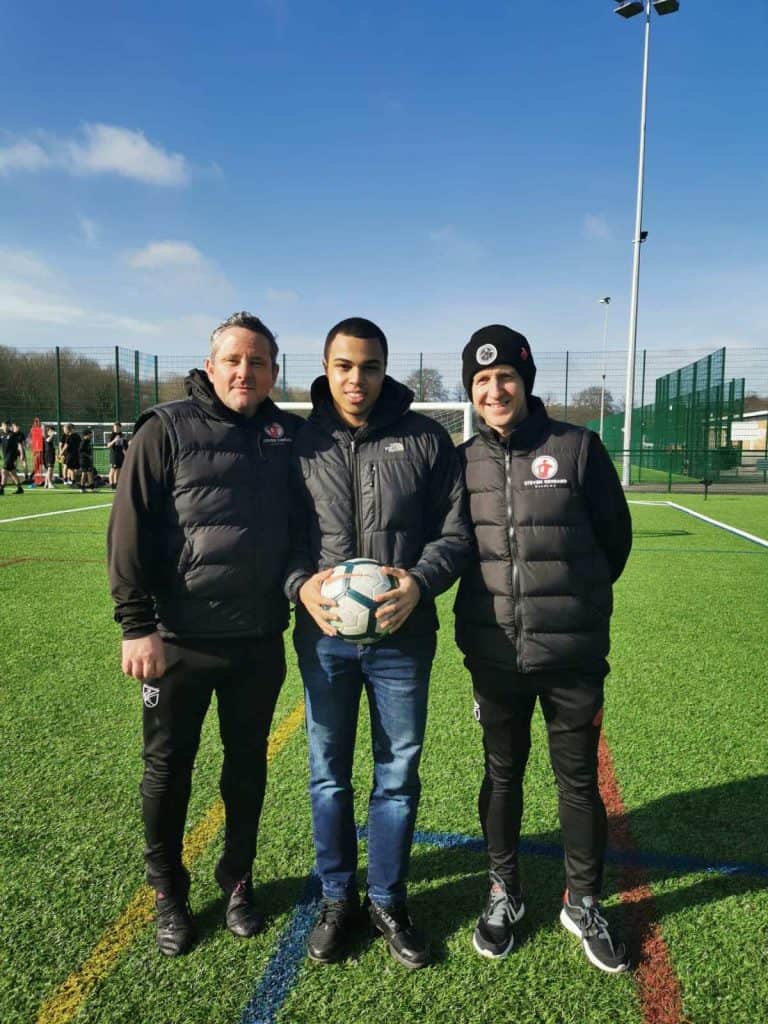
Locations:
(553, 533)
(392, 491)
(200, 532)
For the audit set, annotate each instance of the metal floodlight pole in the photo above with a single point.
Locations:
(628, 10)
(606, 301)
(629, 395)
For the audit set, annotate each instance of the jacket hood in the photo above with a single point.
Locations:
(393, 402)
(200, 389)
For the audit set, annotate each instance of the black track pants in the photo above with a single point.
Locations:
(246, 676)
(573, 716)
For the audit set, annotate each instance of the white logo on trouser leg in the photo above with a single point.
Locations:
(476, 711)
(150, 695)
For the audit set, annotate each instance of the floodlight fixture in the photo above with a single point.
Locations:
(629, 9)
(666, 6)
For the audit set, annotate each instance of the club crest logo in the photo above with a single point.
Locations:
(274, 430)
(544, 467)
(150, 695)
(524, 353)
(486, 354)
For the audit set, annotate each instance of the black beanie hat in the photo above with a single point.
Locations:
(497, 344)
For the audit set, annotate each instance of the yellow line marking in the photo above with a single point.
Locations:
(64, 1004)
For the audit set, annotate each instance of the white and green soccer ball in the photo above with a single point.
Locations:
(353, 585)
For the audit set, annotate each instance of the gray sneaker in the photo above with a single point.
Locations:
(585, 920)
(493, 937)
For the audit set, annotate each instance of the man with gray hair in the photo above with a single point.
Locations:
(198, 543)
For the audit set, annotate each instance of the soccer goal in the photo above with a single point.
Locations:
(456, 417)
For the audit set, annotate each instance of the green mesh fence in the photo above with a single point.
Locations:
(684, 409)
(686, 431)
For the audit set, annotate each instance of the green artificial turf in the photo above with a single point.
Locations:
(685, 722)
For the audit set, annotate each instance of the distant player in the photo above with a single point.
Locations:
(533, 612)
(86, 461)
(14, 447)
(117, 445)
(49, 456)
(70, 452)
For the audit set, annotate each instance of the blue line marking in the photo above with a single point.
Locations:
(280, 973)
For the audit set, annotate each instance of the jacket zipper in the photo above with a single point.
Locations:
(513, 559)
(358, 499)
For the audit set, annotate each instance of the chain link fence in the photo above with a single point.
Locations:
(686, 400)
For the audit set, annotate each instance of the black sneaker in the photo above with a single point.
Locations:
(176, 931)
(408, 945)
(585, 920)
(493, 936)
(330, 937)
(19, 490)
(241, 915)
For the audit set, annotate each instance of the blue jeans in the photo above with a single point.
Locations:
(395, 676)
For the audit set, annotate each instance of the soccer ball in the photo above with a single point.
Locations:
(353, 585)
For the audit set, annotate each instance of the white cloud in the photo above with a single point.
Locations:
(596, 226)
(100, 149)
(30, 304)
(282, 296)
(448, 243)
(89, 229)
(19, 263)
(158, 255)
(24, 155)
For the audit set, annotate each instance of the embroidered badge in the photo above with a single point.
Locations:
(150, 695)
(274, 430)
(486, 354)
(544, 467)
(396, 446)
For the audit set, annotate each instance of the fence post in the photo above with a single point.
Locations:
(642, 421)
(285, 377)
(117, 384)
(421, 376)
(136, 396)
(565, 403)
(157, 382)
(58, 393)
(669, 472)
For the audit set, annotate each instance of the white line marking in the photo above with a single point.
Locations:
(61, 512)
(636, 501)
(723, 526)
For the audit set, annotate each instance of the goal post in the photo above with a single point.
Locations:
(456, 417)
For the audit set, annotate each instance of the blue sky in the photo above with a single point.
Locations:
(434, 166)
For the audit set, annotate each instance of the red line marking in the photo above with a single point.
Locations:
(659, 987)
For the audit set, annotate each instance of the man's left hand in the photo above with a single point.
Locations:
(397, 604)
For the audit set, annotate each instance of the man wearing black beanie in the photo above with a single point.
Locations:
(553, 534)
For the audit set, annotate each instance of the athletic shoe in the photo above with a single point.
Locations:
(19, 490)
(241, 915)
(176, 932)
(585, 920)
(493, 936)
(408, 945)
(336, 921)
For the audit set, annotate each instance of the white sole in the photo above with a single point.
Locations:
(574, 929)
(508, 949)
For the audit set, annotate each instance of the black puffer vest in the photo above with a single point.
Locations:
(539, 597)
(228, 518)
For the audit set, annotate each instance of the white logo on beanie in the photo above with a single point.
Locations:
(486, 354)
